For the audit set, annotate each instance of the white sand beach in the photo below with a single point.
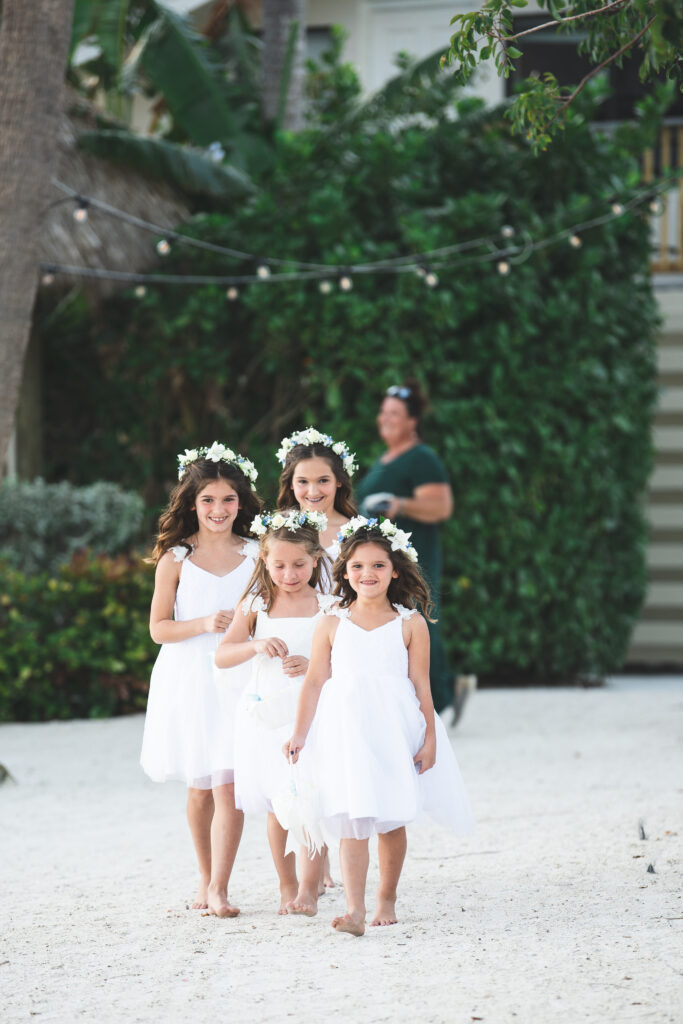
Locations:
(547, 913)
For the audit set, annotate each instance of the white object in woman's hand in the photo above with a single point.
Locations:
(219, 621)
(295, 665)
(272, 646)
(293, 747)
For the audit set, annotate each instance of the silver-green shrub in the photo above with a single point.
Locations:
(43, 525)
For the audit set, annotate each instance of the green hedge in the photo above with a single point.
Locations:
(75, 644)
(43, 525)
(542, 382)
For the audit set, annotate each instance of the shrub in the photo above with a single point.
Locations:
(75, 643)
(43, 525)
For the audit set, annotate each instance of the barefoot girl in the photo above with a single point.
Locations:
(376, 751)
(316, 475)
(203, 565)
(273, 627)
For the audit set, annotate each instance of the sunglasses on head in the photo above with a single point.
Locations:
(396, 391)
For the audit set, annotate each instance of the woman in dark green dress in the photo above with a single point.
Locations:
(409, 485)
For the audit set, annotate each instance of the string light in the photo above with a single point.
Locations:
(431, 279)
(81, 211)
(295, 270)
(140, 291)
(48, 277)
(232, 293)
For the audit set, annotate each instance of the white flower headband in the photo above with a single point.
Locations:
(312, 436)
(218, 453)
(292, 521)
(400, 540)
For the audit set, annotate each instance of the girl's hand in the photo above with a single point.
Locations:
(293, 747)
(272, 646)
(425, 757)
(219, 621)
(295, 665)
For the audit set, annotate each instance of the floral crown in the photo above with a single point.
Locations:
(400, 540)
(292, 521)
(312, 436)
(218, 453)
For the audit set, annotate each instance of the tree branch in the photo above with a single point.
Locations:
(607, 9)
(608, 60)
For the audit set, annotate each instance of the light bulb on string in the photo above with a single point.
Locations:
(48, 277)
(140, 291)
(262, 270)
(421, 270)
(507, 231)
(163, 246)
(617, 207)
(81, 211)
(325, 287)
(431, 279)
(232, 293)
(503, 268)
(655, 205)
(345, 283)
(575, 241)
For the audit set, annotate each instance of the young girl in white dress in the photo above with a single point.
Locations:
(316, 475)
(273, 628)
(365, 722)
(204, 560)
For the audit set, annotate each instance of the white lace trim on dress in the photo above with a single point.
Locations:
(179, 552)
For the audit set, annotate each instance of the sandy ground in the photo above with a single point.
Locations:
(547, 913)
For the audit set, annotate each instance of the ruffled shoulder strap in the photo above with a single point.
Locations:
(257, 604)
(329, 605)
(405, 613)
(250, 548)
(180, 552)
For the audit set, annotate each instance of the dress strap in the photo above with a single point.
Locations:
(329, 605)
(250, 548)
(257, 604)
(180, 552)
(405, 613)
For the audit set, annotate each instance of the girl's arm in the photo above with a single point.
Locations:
(163, 628)
(317, 675)
(417, 640)
(236, 647)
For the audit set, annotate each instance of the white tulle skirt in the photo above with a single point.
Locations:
(190, 721)
(357, 769)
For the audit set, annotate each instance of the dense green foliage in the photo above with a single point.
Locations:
(542, 382)
(76, 643)
(43, 525)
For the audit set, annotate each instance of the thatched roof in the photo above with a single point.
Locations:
(102, 242)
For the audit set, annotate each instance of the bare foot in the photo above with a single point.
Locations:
(351, 923)
(306, 903)
(288, 893)
(385, 913)
(328, 881)
(218, 903)
(200, 903)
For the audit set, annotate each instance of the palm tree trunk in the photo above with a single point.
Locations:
(284, 39)
(34, 43)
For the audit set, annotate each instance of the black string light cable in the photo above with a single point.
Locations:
(425, 264)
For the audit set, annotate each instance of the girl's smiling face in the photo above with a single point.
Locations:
(217, 505)
(369, 570)
(289, 564)
(315, 485)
